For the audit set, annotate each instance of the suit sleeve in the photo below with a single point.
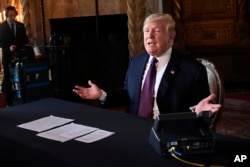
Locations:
(202, 87)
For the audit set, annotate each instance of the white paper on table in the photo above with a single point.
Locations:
(67, 132)
(45, 123)
(95, 136)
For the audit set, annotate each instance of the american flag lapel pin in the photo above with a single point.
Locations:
(172, 72)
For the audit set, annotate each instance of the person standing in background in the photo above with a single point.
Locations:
(12, 38)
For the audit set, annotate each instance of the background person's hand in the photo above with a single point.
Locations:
(13, 48)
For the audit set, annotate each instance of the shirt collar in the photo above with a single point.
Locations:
(11, 22)
(164, 58)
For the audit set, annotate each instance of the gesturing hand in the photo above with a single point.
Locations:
(206, 105)
(92, 92)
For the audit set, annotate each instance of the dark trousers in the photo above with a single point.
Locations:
(7, 90)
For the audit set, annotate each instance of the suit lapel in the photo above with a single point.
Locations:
(8, 30)
(169, 74)
(140, 70)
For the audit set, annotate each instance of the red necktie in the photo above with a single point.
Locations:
(147, 93)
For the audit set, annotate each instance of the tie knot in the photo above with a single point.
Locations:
(154, 60)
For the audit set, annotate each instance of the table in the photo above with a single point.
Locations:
(128, 147)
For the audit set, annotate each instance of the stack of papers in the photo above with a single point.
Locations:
(45, 123)
(95, 136)
(63, 129)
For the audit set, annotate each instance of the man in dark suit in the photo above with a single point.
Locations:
(10, 41)
(181, 82)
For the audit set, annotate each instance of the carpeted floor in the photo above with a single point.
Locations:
(238, 95)
(234, 119)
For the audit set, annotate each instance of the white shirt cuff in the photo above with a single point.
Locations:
(103, 97)
(192, 108)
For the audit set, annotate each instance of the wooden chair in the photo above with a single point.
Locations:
(216, 86)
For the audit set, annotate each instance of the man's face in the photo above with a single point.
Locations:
(11, 15)
(156, 39)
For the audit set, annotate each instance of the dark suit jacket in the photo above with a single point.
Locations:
(7, 39)
(184, 84)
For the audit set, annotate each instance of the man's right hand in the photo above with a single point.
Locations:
(93, 92)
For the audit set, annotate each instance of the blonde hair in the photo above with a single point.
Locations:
(167, 19)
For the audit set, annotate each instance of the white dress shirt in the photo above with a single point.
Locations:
(161, 67)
